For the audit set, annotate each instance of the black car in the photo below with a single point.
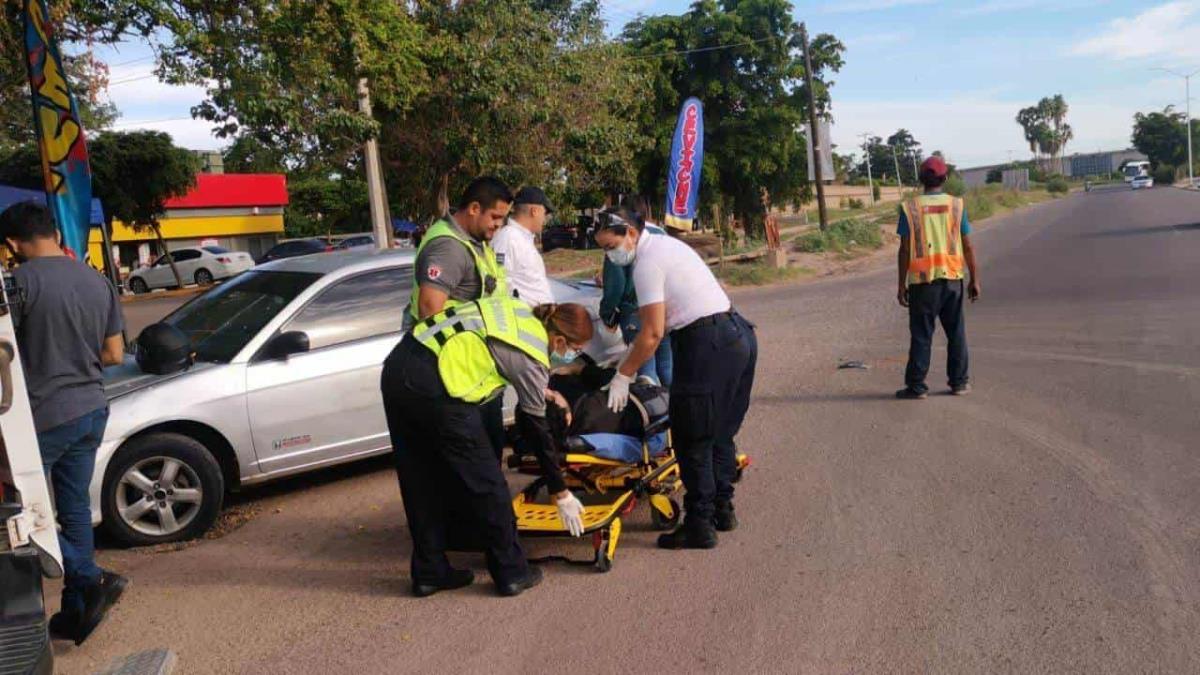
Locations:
(355, 242)
(294, 248)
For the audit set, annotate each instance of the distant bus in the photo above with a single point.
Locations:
(1136, 170)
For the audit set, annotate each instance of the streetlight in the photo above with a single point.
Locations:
(1187, 88)
(867, 152)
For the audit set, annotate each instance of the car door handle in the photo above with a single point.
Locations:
(7, 354)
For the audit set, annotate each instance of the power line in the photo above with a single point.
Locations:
(132, 61)
(698, 50)
(132, 79)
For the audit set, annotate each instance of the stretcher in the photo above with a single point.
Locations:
(609, 490)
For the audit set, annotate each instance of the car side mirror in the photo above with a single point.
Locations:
(286, 344)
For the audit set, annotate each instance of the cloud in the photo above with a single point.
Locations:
(1000, 6)
(857, 6)
(187, 133)
(1167, 30)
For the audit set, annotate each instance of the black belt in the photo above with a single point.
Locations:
(710, 320)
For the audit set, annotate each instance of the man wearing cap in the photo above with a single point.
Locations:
(515, 247)
(935, 243)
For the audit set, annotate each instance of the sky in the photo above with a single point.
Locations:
(954, 74)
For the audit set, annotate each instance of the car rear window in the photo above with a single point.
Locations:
(215, 250)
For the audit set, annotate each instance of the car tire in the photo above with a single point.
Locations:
(203, 277)
(135, 507)
(139, 286)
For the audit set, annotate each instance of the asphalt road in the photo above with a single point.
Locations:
(1050, 522)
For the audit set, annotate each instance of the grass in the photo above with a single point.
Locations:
(991, 200)
(757, 273)
(841, 237)
(569, 262)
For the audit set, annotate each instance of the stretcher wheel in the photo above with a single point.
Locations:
(605, 542)
(664, 512)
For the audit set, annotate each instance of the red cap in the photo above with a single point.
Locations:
(934, 166)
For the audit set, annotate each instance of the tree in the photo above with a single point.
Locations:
(742, 59)
(1162, 136)
(908, 154)
(134, 173)
(1046, 130)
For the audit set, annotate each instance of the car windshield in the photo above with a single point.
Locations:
(220, 322)
(215, 250)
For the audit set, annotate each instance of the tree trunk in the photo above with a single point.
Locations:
(443, 197)
(163, 245)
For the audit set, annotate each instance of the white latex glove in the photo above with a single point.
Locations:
(618, 392)
(570, 512)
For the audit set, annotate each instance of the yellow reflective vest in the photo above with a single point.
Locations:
(491, 272)
(934, 238)
(459, 334)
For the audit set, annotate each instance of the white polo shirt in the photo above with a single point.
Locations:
(523, 263)
(667, 270)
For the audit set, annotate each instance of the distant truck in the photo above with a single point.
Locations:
(1134, 170)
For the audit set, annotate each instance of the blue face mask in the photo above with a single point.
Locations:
(621, 256)
(563, 359)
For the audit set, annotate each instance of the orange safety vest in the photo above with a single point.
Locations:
(934, 238)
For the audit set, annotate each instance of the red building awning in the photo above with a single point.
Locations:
(216, 190)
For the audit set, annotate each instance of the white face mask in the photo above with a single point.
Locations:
(621, 256)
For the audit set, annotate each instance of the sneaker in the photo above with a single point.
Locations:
(961, 389)
(64, 626)
(724, 519)
(97, 600)
(456, 579)
(911, 395)
(690, 535)
(532, 578)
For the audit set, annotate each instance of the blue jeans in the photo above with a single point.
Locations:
(659, 367)
(69, 457)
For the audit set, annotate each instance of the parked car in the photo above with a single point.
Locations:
(355, 242)
(1142, 183)
(295, 248)
(201, 266)
(286, 380)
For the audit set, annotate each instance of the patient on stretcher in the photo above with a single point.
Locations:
(592, 428)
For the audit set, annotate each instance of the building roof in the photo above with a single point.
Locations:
(11, 195)
(224, 190)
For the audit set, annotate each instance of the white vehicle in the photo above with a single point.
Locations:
(1134, 170)
(201, 266)
(1142, 183)
(286, 380)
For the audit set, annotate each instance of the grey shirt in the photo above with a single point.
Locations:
(528, 377)
(445, 263)
(67, 311)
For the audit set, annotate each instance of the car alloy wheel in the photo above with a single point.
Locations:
(159, 496)
(203, 277)
(138, 286)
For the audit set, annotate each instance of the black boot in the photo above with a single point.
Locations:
(724, 519)
(456, 579)
(97, 600)
(694, 533)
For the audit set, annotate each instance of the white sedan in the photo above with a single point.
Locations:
(201, 266)
(1142, 183)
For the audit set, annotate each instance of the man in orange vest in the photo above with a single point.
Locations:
(935, 243)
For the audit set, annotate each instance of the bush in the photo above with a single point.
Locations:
(856, 203)
(955, 186)
(1058, 185)
(841, 236)
(875, 192)
(1164, 175)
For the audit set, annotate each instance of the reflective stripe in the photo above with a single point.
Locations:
(500, 316)
(523, 311)
(953, 263)
(465, 321)
(532, 340)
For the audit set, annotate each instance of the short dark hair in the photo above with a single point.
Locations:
(487, 190)
(931, 180)
(26, 221)
(618, 219)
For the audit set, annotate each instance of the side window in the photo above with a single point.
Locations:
(360, 307)
(186, 255)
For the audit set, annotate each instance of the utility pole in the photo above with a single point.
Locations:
(375, 197)
(867, 151)
(899, 181)
(813, 129)
(1187, 89)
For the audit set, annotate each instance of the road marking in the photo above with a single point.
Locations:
(1151, 366)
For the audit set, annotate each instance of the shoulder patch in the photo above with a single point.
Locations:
(433, 272)
(500, 258)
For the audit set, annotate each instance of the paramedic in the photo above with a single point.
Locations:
(456, 264)
(436, 384)
(715, 351)
(515, 247)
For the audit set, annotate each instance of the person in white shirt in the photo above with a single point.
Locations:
(514, 245)
(715, 351)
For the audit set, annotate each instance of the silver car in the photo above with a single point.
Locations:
(286, 380)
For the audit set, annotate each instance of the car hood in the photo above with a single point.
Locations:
(127, 378)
